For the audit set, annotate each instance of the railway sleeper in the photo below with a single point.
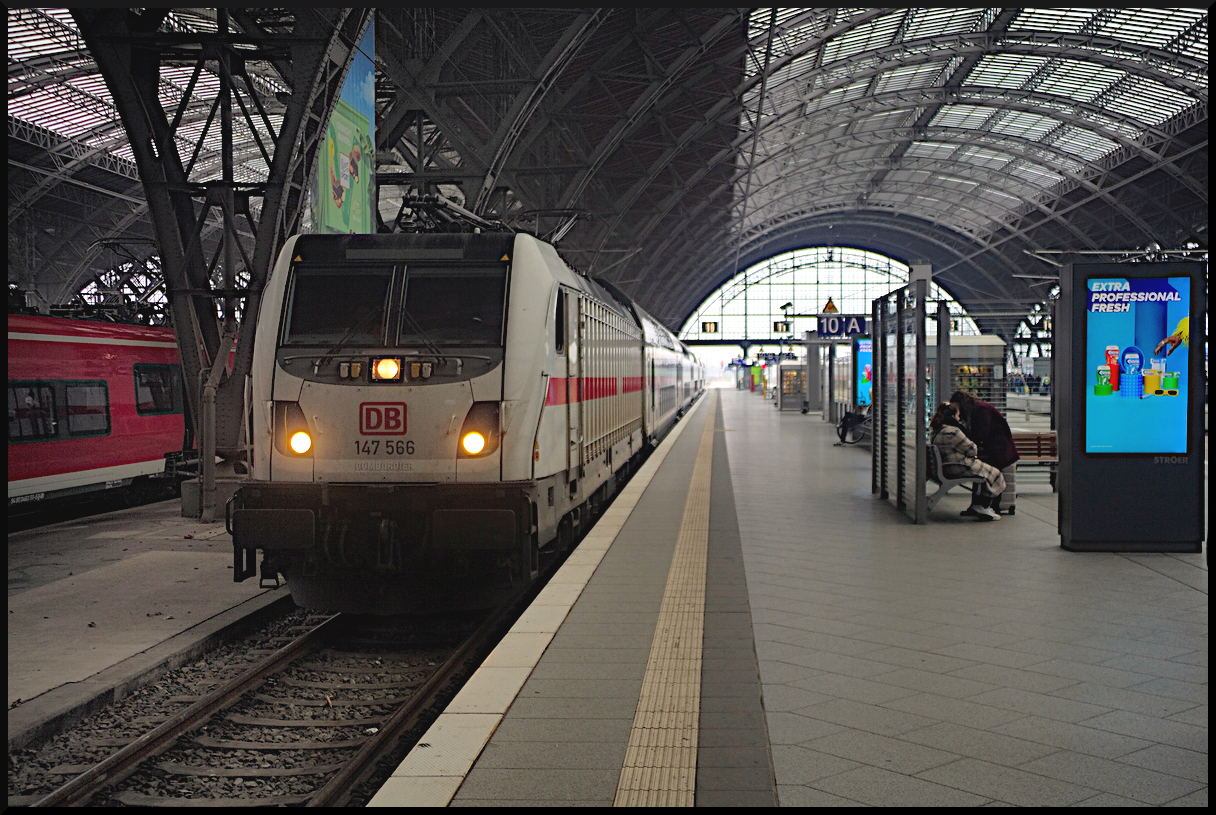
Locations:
(177, 768)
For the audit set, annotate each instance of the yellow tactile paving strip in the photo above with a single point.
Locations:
(435, 769)
(660, 766)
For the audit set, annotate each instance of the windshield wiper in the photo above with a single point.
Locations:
(417, 329)
(357, 328)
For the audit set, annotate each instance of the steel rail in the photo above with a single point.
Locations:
(337, 790)
(119, 766)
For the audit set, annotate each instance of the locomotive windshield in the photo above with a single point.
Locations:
(347, 306)
(453, 306)
(361, 305)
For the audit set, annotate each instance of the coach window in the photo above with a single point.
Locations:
(154, 389)
(88, 408)
(559, 323)
(31, 411)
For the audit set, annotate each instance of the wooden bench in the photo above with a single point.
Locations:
(1038, 448)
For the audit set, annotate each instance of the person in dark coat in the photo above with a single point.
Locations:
(985, 425)
(959, 459)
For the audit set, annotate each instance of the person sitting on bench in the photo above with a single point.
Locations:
(984, 424)
(959, 457)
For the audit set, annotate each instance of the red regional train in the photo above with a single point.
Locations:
(91, 406)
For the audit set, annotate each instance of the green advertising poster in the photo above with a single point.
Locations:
(344, 197)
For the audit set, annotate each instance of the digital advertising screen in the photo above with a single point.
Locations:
(1137, 358)
(865, 370)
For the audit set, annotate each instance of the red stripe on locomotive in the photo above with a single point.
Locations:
(564, 390)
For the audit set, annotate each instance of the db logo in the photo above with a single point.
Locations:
(382, 418)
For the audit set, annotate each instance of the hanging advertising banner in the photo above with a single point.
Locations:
(1137, 359)
(344, 198)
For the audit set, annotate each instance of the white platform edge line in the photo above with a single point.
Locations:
(460, 737)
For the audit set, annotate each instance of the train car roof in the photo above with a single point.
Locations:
(37, 324)
(437, 246)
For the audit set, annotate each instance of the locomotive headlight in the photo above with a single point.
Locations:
(387, 369)
(473, 443)
(300, 442)
(292, 435)
(481, 433)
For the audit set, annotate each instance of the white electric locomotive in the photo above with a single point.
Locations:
(428, 412)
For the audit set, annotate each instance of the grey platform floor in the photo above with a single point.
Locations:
(956, 663)
(99, 605)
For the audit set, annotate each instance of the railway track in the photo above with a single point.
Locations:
(303, 726)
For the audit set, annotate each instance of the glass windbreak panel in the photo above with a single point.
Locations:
(31, 411)
(843, 375)
(909, 404)
(891, 399)
(88, 409)
(331, 305)
(453, 306)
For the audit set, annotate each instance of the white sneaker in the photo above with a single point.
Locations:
(986, 514)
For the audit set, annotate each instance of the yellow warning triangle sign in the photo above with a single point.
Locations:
(829, 308)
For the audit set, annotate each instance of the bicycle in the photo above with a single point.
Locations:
(853, 427)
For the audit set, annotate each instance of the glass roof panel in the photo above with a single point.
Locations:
(62, 91)
(1006, 70)
(1083, 144)
(912, 76)
(1147, 101)
(1008, 127)
(1157, 27)
(65, 108)
(927, 149)
(1035, 174)
(934, 22)
(34, 33)
(1007, 200)
(1024, 125)
(873, 34)
(978, 156)
(1055, 19)
(1079, 80)
(882, 121)
(965, 116)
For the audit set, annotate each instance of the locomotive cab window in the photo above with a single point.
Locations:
(88, 408)
(453, 305)
(31, 412)
(559, 323)
(157, 389)
(334, 305)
